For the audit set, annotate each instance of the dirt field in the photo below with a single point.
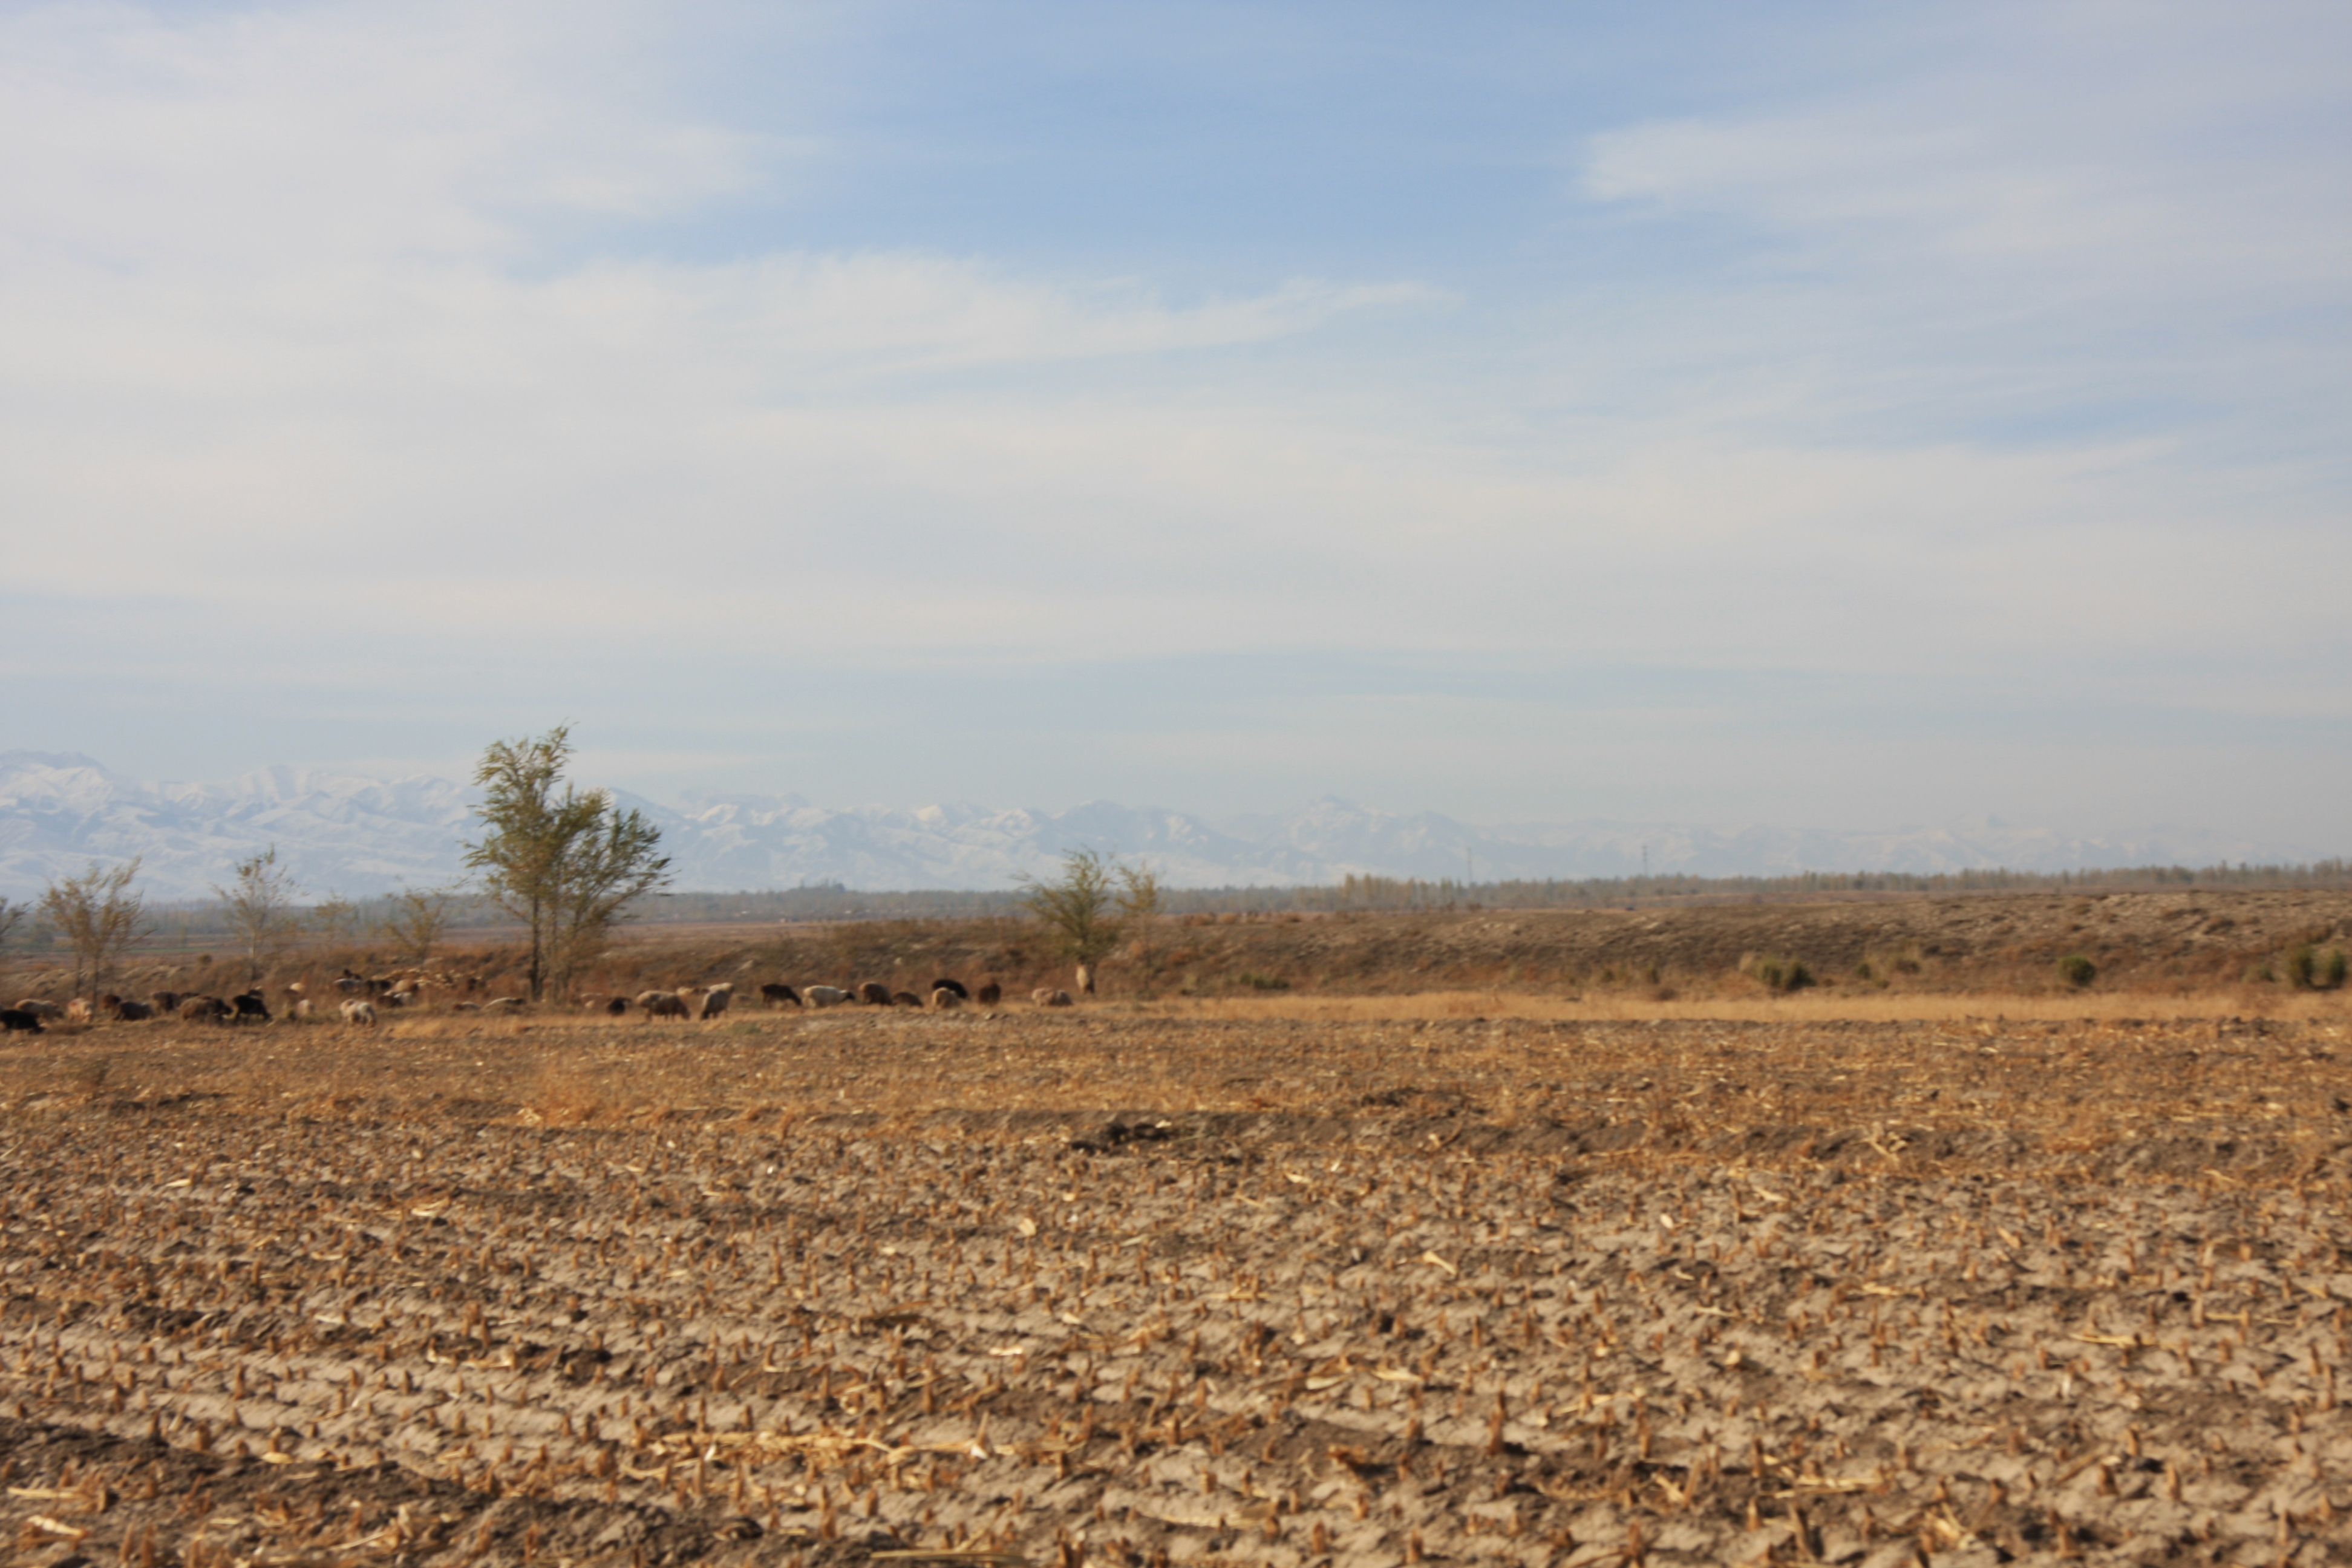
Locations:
(1120, 1287)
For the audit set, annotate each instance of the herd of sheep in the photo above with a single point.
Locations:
(711, 1001)
(362, 997)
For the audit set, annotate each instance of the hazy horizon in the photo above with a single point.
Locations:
(1826, 415)
(354, 834)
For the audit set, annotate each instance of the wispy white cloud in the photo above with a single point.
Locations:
(354, 346)
(284, 139)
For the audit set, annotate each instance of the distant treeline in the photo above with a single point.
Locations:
(834, 901)
(196, 923)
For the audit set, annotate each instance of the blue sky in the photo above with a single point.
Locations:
(1830, 415)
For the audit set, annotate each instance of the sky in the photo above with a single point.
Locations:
(1834, 415)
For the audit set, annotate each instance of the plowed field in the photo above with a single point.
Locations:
(1123, 1289)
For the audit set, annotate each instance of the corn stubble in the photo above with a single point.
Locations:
(1140, 1290)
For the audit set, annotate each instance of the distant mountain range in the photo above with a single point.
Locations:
(360, 836)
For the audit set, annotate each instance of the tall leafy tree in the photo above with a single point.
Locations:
(1087, 910)
(613, 865)
(566, 862)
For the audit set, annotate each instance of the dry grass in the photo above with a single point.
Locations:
(1143, 1284)
(1756, 1006)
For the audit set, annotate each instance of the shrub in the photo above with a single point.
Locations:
(1264, 981)
(2331, 970)
(2302, 966)
(1779, 974)
(2078, 971)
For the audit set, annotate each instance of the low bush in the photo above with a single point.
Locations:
(1781, 976)
(2308, 969)
(2078, 971)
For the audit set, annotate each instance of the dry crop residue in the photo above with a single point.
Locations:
(1595, 1294)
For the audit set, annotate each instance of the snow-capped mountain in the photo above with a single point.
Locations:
(359, 836)
(334, 833)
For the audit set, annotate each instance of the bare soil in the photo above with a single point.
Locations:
(1119, 1287)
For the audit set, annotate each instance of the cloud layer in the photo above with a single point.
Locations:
(1909, 417)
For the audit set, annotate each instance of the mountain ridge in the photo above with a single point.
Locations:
(361, 835)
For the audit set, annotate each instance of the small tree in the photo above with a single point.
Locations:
(98, 916)
(9, 915)
(1139, 892)
(261, 909)
(614, 865)
(419, 918)
(567, 864)
(334, 920)
(1077, 909)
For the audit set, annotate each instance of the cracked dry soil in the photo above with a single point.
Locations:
(1380, 1294)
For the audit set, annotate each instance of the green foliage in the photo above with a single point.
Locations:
(1781, 976)
(1264, 981)
(568, 865)
(1077, 909)
(1139, 894)
(2078, 971)
(2308, 969)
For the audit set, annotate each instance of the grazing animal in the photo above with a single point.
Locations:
(132, 1012)
(714, 1000)
(359, 1013)
(954, 986)
(166, 1002)
(776, 995)
(14, 1019)
(203, 1009)
(247, 1006)
(503, 1004)
(943, 999)
(301, 1008)
(990, 993)
(873, 993)
(617, 1007)
(905, 999)
(662, 1005)
(350, 981)
(825, 996)
(40, 1009)
(397, 998)
(77, 1011)
(1046, 996)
